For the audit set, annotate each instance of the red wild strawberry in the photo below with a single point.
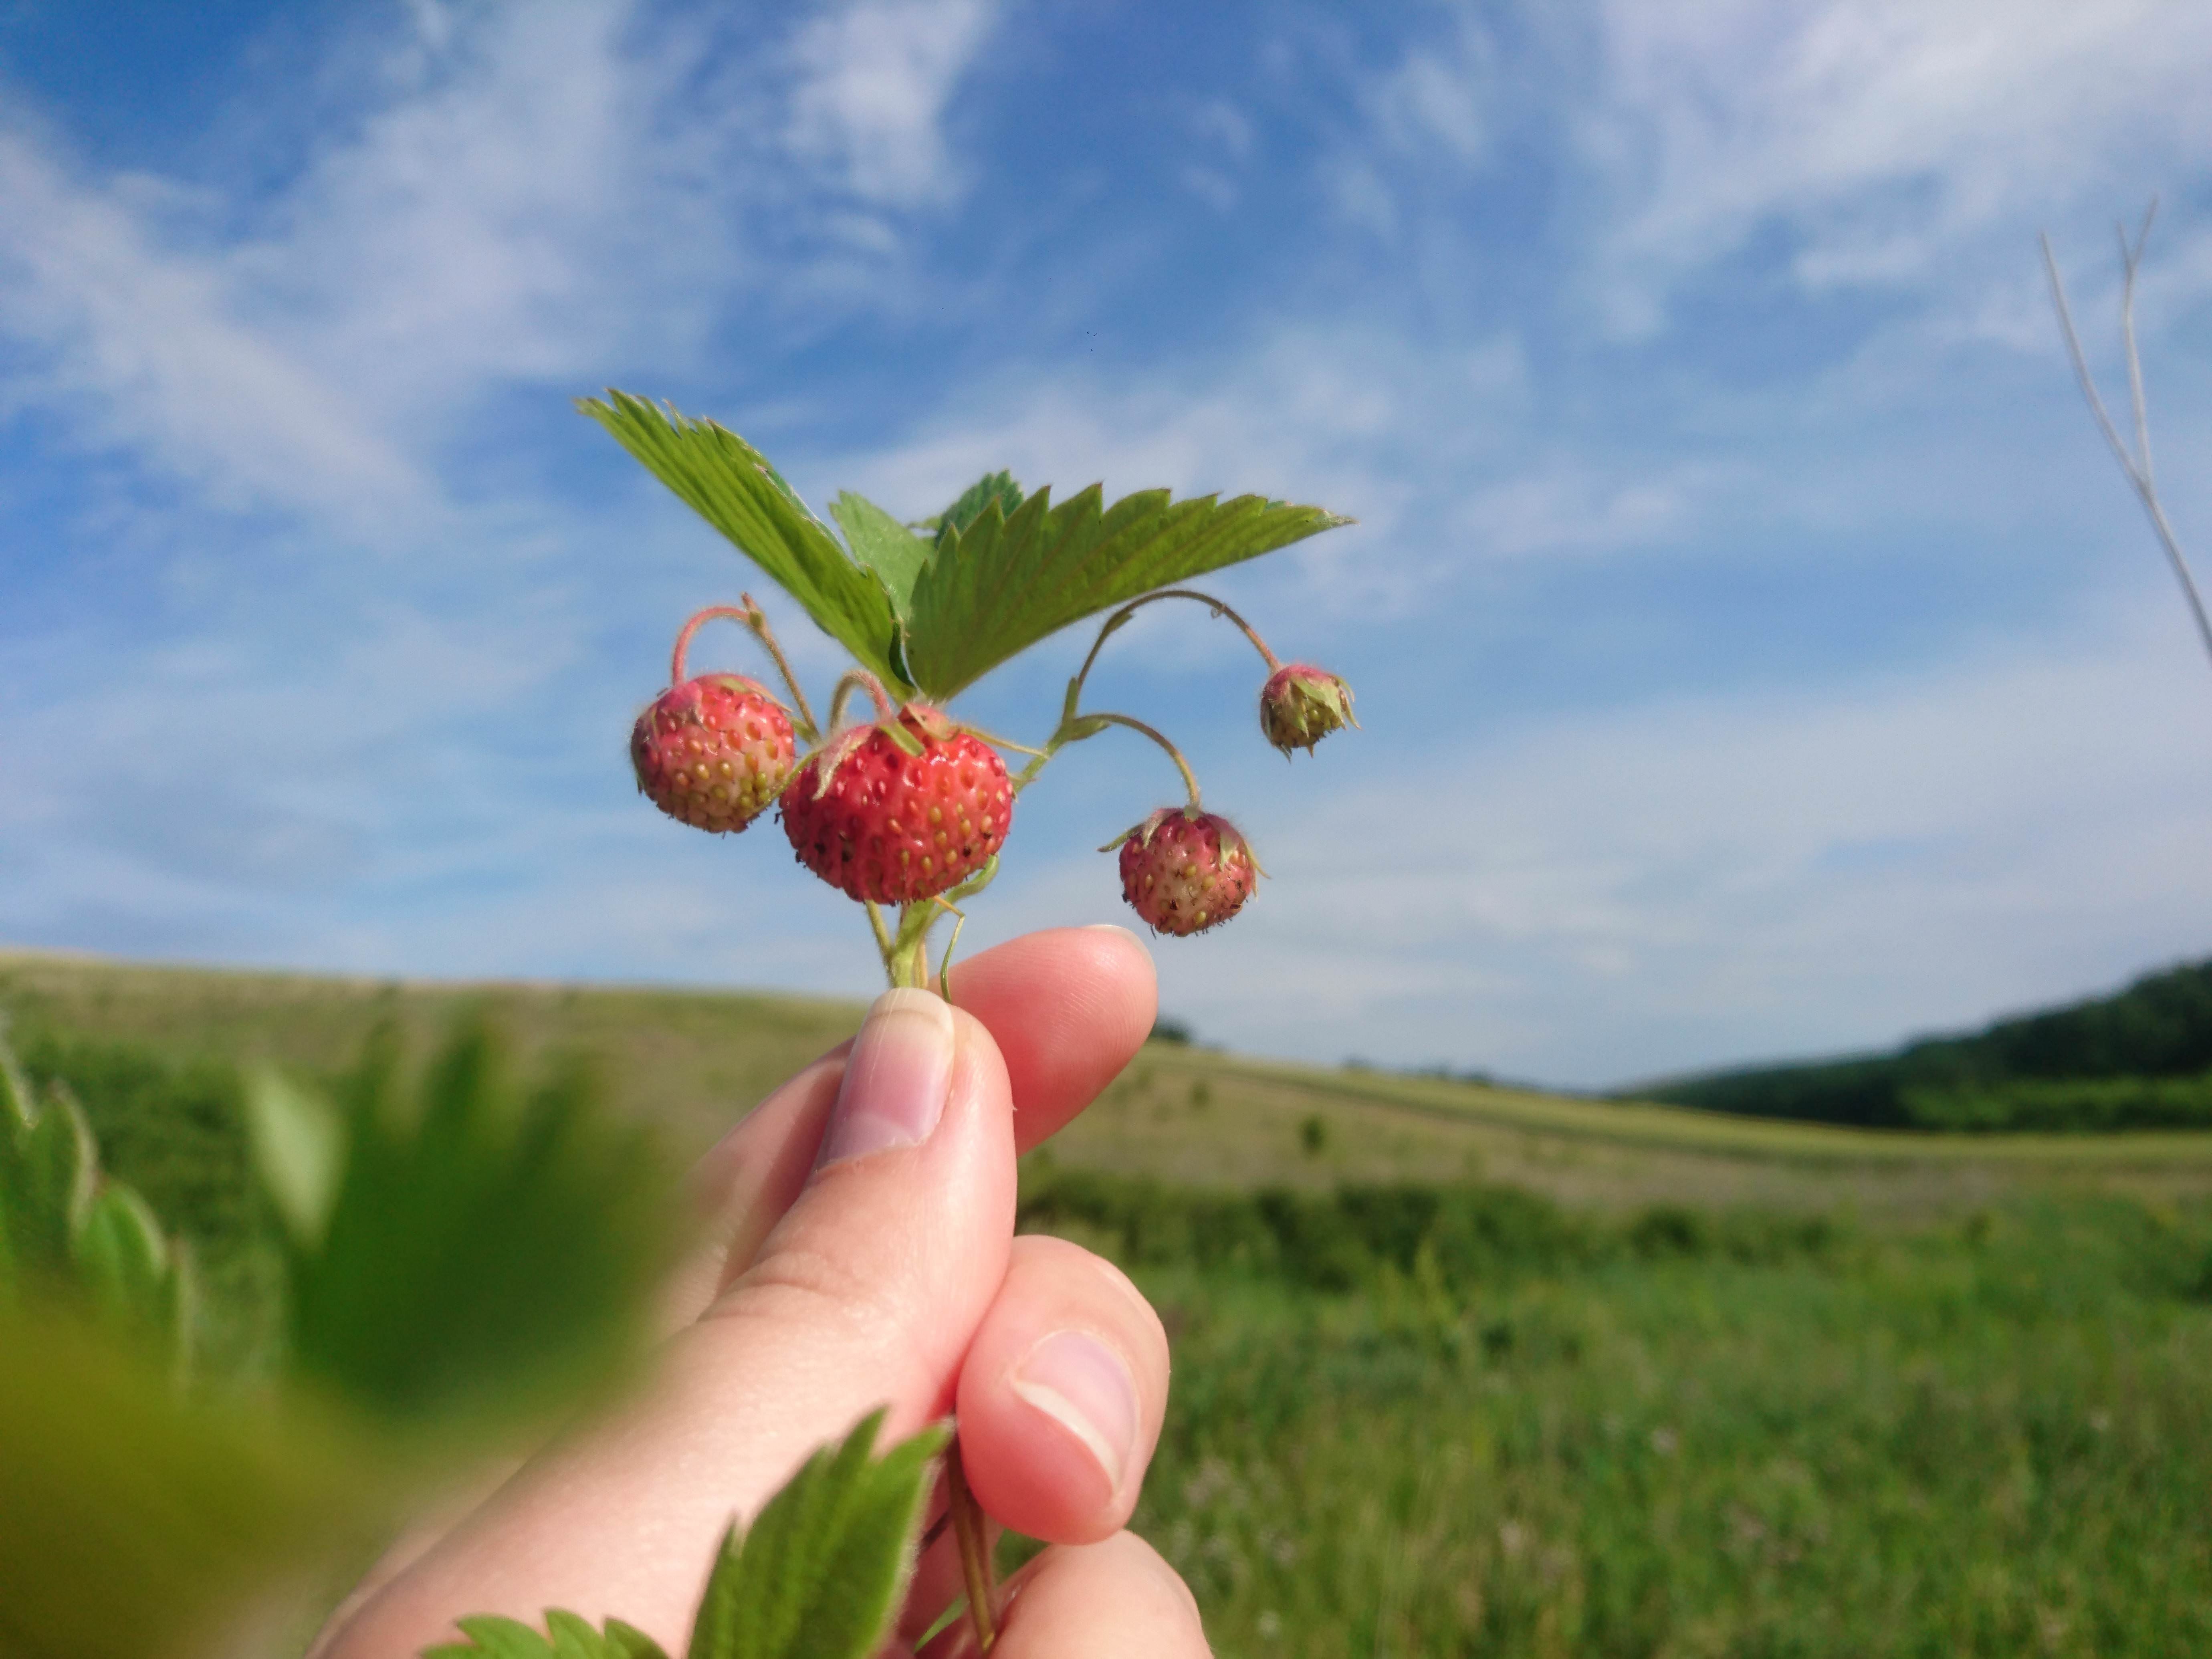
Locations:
(713, 752)
(1185, 871)
(1301, 704)
(900, 810)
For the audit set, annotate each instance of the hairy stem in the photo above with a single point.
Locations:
(1113, 622)
(1189, 777)
(756, 619)
(859, 680)
(970, 1526)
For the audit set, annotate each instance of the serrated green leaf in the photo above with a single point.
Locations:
(123, 1262)
(299, 1151)
(999, 486)
(18, 1111)
(488, 1252)
(884, 545)
(493, 1637)
(730, 484)
(1006, 582)
(819, 1572)
(53, 1184)
(568, 1636)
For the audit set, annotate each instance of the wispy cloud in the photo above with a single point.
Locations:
(877, 77)
(1760, 674)
(1882, 135)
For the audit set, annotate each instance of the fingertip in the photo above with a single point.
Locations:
(1062, 1394)
(1104, 1600)
(1069, 1007)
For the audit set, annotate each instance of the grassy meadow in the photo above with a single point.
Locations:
(1462, 1370)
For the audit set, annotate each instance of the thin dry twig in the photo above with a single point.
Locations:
(2134, 463)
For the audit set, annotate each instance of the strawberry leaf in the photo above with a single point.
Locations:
(730, 484)
(67, 1228)
(1005, 582)
(820, 1572)
(998, 487)
(567, 1637)
(887, 547)
(484, 1251)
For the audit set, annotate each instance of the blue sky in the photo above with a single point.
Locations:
(1757, 652)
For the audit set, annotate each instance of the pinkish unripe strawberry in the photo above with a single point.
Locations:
(1184, 871)
(900, 810)
(713, 752)
(1302, 704)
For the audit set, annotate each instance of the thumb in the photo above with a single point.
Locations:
(866, 1294)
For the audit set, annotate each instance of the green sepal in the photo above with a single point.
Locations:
(819, 1572)
(1005, 582)
(730, 484)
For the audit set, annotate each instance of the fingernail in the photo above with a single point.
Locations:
(1083, 1385)
(895, 1078)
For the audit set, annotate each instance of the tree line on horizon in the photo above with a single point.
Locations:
(2141, 1059)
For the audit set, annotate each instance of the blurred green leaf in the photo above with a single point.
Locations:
(48, 1185)
(730, 484)
(66, 1232)
(135, 1281)
(488, 1252)
(569, 1638)
(820, 1572)
(299, 1149)
(1007, 580)
(131, 1518)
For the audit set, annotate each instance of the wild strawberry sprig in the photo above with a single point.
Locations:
(908, 810)
(911, 809)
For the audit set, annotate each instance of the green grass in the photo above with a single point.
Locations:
(1469, 1370)
(1932, 1447)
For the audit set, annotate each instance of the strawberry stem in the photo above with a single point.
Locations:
(756, 619)
(859, 680)
(968, 1525)
(1189, 777)
(1114, 622)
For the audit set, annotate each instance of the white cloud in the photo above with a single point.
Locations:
(532, 193)
(1698, 880)
(877, 76)
(1883, 133)
(145, 346)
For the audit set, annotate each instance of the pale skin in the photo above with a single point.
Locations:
(862, 1255)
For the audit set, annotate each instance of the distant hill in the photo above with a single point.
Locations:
(2139, 1060)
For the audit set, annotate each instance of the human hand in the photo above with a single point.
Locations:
(862, 1255)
